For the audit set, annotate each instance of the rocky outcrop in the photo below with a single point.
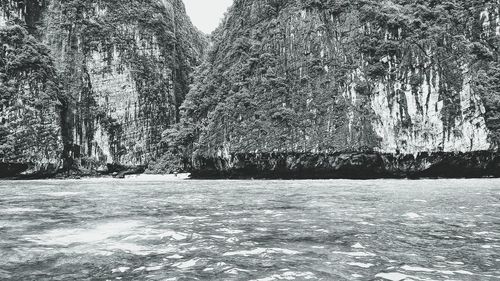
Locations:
(290, 85)
(30, 129)
(355, 165)
(121, 70)
(323, 76)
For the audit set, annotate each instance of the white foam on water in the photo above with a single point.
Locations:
(289, 275)
(139, 269)
(222, 266)
(392, 276)
(420, 200)
(231, 231)
(455, 262)
(271, 278)
(463, 272)
(358, 246)
(208, 269)
(120, 269)
(98, 233)
(294, 275)
(362, 265)
(129, 247)
(15, 223)
(175, 257)
(63, 194)
(154, 268)
(482, 233)
(486, 246)
(235, 271)
(19, 210)
(259, 251)
(285, 251)
(102, 239)
(412, 215)
(357, 275)
(232, 240)
(417, 268)
(232, 272)
(238, 212)
(356, 254)
(186, 264)
(218, 237)
(174, 235)
(191, 218)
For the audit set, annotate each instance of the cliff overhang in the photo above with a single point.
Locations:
(348, 165)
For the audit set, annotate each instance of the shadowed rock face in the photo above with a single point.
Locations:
(348, 166)
(120, 69)
(12, 169)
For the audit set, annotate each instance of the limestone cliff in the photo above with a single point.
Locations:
(323, 76)
(122, 70)
(29, 104)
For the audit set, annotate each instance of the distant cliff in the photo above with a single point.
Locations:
(323, 76)
(92, 82)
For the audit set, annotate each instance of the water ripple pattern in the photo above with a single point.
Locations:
(250, 230)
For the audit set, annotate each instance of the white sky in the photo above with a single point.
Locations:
(207, 14)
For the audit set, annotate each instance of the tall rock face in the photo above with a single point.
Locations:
(122, 70)
(340, 75)
(29, 104)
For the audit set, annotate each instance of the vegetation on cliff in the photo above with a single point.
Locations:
(94, 82)
(117, 71)
(148, 47)
(29, 100)
(302, 75)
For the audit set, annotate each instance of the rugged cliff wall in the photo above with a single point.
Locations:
(122, 71)
(319, 75)
(29, 101)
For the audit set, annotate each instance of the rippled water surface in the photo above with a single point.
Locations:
(250, 230)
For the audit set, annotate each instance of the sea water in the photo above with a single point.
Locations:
(168, 229)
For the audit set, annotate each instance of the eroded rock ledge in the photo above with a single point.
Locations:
(349, 165)
(30, 171)
(12, 169)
